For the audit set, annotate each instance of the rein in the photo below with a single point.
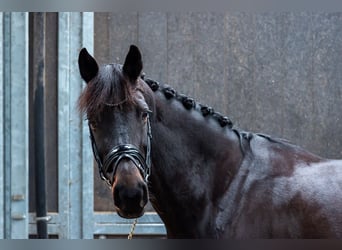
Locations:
(119, 152)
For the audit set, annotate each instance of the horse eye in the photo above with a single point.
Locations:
(144, 115)
(92, 124)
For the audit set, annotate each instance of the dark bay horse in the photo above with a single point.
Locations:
(204, 177)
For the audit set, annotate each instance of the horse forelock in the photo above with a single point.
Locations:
(108, 88)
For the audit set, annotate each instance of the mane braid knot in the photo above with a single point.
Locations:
(153, 84)
(206, 110)
(169, 92)
(188, 102)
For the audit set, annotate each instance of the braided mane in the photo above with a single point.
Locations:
(189, 103)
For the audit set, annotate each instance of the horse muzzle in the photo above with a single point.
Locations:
(130, 200)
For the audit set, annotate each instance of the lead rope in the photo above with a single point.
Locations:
(130, 235)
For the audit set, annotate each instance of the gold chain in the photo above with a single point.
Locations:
(130, 235)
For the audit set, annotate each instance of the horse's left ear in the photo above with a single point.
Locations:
(133, 64)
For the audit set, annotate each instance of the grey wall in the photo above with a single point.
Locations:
(276, 73)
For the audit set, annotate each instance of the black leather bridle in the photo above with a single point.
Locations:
(117, 153)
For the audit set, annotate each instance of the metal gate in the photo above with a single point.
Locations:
(44, 47)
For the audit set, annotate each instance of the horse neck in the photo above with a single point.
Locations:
(194, 160)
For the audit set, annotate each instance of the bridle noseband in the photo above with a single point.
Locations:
(128, 151)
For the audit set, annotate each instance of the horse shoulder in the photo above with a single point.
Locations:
(272, 197)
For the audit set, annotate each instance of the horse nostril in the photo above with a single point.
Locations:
(116, 196)
(145, 195)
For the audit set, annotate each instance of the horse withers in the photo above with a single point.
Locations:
(204, 177)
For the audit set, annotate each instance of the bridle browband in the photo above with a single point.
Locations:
(122, 151)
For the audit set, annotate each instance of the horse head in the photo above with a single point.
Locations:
(117, 107)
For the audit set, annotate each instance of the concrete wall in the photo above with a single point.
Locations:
(276, 73)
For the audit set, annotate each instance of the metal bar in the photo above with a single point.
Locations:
(148, 229)
(87, 156)
(38, 79)
(2, 147)
(63, 124)
(53, 224)
(74, 30)
(50, 112)
(109, 223)
(7, 122)
(19, 124)
(74, 126)
(149, 224)
(114, 218)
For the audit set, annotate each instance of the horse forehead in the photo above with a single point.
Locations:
(108, 70)
(112, 66)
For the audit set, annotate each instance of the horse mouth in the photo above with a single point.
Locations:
(129, 214)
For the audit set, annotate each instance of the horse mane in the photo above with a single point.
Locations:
(190, 103)
(104, 90)
(208, 111)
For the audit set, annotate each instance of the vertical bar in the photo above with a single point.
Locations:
(87, 157)
(51, 35)
(14, 125)
(63, 123)
(38, 84)
(2, 148)
(7, 123)
(19, 124)
(75, 127)
(75, 179)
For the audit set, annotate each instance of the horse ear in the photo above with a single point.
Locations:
(133, 63)
(87, 65)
